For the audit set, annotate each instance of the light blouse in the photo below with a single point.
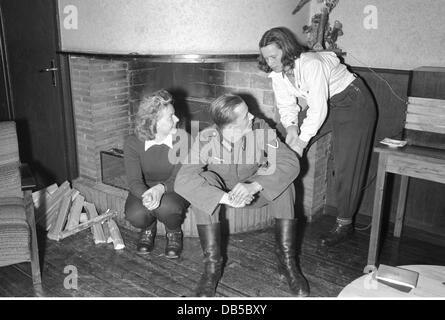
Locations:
(318, 76)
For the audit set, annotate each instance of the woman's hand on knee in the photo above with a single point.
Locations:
(151, 199)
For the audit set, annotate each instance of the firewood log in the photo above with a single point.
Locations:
(118, 242)
(83, 217)
(107, 232)
(88, 224)
(98, 233)
(42, 195)
(75, 211)
(49, 209)
(57, 227)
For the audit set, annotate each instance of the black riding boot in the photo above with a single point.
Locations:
(286, 251)
(210, 238)
(147, 239)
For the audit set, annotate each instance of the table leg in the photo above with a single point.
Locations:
(376, 213)
(401, 206)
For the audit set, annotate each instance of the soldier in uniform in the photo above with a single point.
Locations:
(239, 162)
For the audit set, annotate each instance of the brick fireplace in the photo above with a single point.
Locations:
(106, 92)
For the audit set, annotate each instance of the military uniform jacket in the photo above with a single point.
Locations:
(259, 156)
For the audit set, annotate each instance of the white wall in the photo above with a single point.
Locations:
(173, 26)
(409, 34)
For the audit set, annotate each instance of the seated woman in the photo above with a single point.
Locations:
(151, 175)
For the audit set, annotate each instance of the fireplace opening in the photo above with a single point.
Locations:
(113, 169)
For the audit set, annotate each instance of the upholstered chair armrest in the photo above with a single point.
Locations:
(9, 161)
(28, 181)
(9, 149)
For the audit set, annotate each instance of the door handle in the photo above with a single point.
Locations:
(53, 70)
(50, 69)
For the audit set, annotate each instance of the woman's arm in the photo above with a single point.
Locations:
(133, 169)
(318, 85)
(286, 102)
(288, 109)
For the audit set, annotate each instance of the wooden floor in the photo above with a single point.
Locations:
(249, 271)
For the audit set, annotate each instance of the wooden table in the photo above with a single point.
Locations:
(431, 283)
(409, 161)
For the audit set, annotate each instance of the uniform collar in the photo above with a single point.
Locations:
(168, 141)
(230, 145)
(226, 144)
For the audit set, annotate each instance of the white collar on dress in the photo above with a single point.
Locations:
(168, 141)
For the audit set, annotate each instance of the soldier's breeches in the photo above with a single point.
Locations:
(281, 207)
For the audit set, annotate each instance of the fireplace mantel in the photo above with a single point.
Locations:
(170, 58)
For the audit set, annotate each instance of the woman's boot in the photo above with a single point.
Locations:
(147, 239)
(210, 238)
(173, 247)
(286, 251)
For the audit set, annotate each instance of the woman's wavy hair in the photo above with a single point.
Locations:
(147, 116)
(221, 109)
(285, 40)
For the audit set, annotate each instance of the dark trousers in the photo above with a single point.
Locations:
(281, 207)
(171, 211)
(353, 116)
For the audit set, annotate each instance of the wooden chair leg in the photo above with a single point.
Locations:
(376, 213)
(401, 206)
(35, 264)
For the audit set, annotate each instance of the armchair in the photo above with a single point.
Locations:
(18, 238)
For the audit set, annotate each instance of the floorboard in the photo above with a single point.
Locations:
(249, 270)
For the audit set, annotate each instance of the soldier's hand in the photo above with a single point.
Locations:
(245, 190)
(239, 202)
(231, 201)
(248, 200)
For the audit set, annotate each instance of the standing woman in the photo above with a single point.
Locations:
(320, 79)
(151, 175)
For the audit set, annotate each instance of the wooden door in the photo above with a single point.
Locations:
(5, 103)
(41, 110)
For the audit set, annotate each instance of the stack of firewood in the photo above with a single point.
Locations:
(63, 211)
